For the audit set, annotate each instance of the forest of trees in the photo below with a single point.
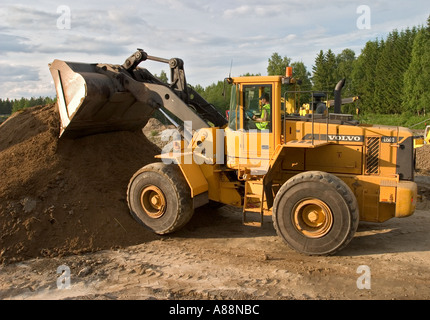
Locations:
(10, 106)
(390, 75)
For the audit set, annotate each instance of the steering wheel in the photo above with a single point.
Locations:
(249, 114)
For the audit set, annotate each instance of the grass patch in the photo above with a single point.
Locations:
(401, 120)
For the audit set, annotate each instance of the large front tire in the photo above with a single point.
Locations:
(159, 197)
(315, 213)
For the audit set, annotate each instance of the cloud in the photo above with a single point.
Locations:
(18, 73)
(26, 89)
(20, 17)
(189, 5)
(83, 44)
(13, 43)
(109, 32)
(257, 11)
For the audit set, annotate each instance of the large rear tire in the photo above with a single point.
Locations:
(159, 198)
(315, 213)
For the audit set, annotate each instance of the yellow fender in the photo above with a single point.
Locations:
(195, 178)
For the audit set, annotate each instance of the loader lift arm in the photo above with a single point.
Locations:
(178, 84)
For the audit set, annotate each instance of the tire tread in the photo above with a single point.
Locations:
(340, 186)
(174, 175)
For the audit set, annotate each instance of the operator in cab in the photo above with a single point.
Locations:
(262, 121)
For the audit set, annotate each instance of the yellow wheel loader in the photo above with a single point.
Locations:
(317, 175)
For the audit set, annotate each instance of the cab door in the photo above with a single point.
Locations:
(257, 122)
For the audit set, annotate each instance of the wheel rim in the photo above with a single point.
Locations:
(312, 218)
(153, 202)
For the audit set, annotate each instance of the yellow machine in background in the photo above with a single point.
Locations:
(420, 141)
(322, 106)
(317, 175)
(427, 135)
(424, 139)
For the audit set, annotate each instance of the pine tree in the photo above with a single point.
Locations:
(363, 74)
(300, 72)
(319, 72)
(391, 67)
(345, 61)
(385, 72)
(428, 24)
(324, 76)
(417, 78)
(330, 68)
(277, 65)
(4, 107)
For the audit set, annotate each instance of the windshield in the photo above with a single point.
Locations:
(233, 114)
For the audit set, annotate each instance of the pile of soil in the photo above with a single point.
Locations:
(155, 126)
(155, 131)
(422, 164)
(422, 175)
(59, 196)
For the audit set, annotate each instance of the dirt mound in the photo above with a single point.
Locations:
(60, 197)
(423, 160)
(154, 132)
(155, 125)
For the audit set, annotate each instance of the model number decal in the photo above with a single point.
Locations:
(390, 139)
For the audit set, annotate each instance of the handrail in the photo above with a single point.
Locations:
(312, 115)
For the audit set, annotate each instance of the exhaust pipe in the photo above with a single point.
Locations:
(338, 96)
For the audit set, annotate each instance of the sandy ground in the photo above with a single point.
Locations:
(215, 257)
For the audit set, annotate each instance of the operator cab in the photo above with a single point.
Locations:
(254, 122)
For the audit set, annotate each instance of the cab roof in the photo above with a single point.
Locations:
(257, 79)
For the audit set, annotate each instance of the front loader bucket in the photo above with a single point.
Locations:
(91, 101)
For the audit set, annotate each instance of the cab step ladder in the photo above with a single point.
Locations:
(253, 202)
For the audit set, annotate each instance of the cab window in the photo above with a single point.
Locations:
(257, 107)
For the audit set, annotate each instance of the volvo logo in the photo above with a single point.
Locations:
(345, 138)
(334, 137)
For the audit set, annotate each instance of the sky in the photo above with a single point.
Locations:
(213, 38)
